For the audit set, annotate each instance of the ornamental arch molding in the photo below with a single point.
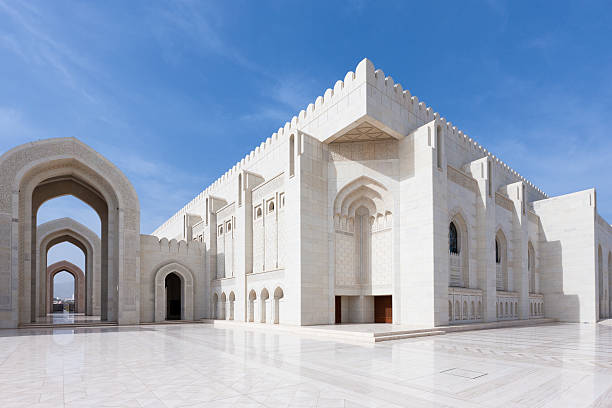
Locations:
(34, 173)
(68, 230)
(363, 236)
(187, 288)
(79, 283)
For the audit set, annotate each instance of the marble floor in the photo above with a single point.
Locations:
(196, 365)
(67, 318)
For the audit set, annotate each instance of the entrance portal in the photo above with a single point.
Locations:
(173, 297)
(338, 309)
(383, 312)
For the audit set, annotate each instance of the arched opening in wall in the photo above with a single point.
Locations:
(65, 239)
(66, 300)
(64, 294)
(291, 155)
(173, 297)
(531, 267)
(223, 306)
(215, 306)
(265, 302)
(278, 295)
(458, 248)
(38, 172)
(600, 274)
(252, 299)
(75, 240)
(501, 261)
(232, 299)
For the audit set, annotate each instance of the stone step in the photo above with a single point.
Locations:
(389, 337)
(65, 325)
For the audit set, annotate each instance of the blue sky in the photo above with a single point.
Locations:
(175, 93)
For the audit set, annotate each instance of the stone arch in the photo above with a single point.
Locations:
(215, 305)
(459, 260)
(79, 283)
(187, 288)
(68, 230)
(501, 261)
(278, 295)
(223, 306)
(252, 299)
(264, 299)
(232, 299)
(531, 267)
(34, 173)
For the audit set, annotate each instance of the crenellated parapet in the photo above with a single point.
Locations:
(365, 94)
(151, 243)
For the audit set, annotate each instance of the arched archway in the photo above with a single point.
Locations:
(252, 299)
(79, 284)
(278, 295)
(34, 173)
(458, 248)
(68, 230)
(531, 267)
(501, 261)
(264, 300)
(232, 299)
(184, 275)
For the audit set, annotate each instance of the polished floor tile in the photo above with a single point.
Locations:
(557, 365)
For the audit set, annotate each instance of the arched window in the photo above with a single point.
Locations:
(453, 244)
(497, 253)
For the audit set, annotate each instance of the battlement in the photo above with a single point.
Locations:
(150, 243)
(358, 95)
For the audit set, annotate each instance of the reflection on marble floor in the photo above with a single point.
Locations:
(562, 365)
(67, 318)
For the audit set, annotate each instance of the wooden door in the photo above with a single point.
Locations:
(383, 312)
(338, 309)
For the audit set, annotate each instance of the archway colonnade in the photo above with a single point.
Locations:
(79, 284)
(34, 173)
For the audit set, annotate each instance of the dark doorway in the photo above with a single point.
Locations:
(383, 312)
(173, 297)
(338, 309)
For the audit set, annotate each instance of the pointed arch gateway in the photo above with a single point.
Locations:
(68, 230)
(34, 173)
(79, 284)
(173, 293)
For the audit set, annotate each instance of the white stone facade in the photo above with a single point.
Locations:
(367, 206)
